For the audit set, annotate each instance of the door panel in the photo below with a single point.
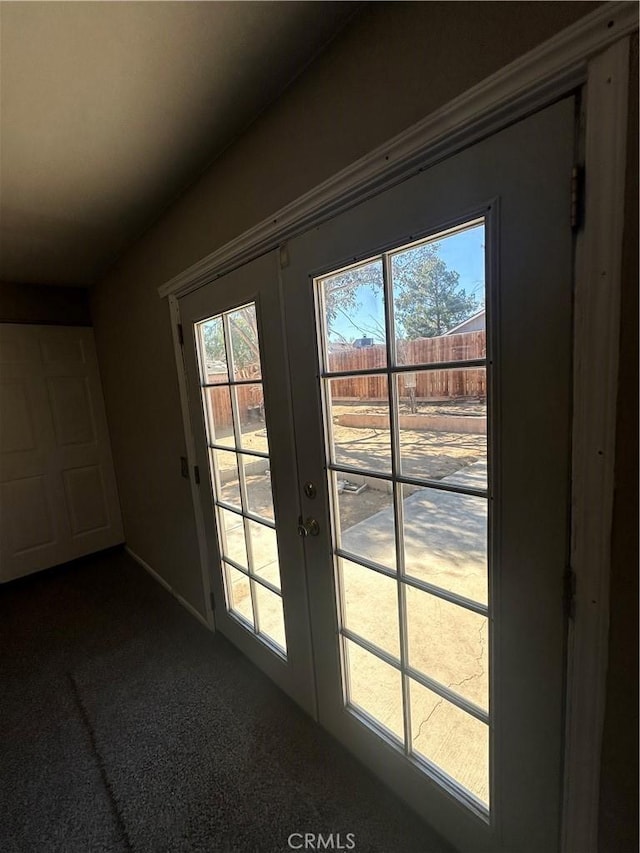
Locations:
(438, 625)
(240, 408)
(416, 528)
(58, 497)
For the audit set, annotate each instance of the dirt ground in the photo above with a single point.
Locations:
(355, 508)
(427, 454)
(467, 408)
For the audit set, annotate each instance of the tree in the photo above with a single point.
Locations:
(428, 300)
(244, 339)
(342, 294)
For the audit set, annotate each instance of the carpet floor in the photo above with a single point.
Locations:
(127, 726)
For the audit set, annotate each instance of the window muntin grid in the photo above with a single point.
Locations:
(396, 366)
(239, 466)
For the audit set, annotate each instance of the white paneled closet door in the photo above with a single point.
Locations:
(58, 495)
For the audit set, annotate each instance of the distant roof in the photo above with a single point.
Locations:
(461, 326)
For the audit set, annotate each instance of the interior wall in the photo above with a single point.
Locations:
(394, 64)
(44, 304)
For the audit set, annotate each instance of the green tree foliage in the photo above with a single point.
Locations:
(213, 339)
(244, 339)
(342, 297)
(428, 300)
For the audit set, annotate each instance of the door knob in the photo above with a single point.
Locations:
(310, 527)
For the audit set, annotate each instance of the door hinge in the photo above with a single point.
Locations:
(184, 467)
(570, 593)
(577, 197)
(283, 256)
(196, 475)
(212, 601)
(180, 335)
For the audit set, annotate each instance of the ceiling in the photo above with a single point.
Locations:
(109, 110)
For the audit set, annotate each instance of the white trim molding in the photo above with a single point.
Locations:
(596, 341)
(192, 610)
(549, 71)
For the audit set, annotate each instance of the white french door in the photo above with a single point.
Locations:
(415, 366)
(240, 404)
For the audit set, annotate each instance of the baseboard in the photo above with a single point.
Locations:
(192, 610)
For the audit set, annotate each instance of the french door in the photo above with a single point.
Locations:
(413, 370)
(240, 402)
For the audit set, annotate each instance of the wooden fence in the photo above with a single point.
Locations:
(465, 382)
(434, 385)
(250, 403)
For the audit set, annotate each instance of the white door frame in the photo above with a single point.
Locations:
(591, 53)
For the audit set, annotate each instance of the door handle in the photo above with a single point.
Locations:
(310, 527)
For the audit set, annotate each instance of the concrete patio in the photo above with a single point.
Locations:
(445, 546)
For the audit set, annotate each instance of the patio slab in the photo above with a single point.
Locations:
(446, 546)
(445, 536)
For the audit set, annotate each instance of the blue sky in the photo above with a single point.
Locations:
(462, 252)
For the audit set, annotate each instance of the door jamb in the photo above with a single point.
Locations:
(595, 373)
(593, 51)
(176, 332)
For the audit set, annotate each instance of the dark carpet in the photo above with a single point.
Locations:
(126, 726)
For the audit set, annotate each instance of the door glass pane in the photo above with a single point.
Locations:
(370, 605)
(449, 644)
(264, 549)
(253, 431)
(442, 429)
(214, 367)
(243, 334)
(270, 615)
(439, 298)
(234, 544)
(239, 593)
(239, 471)
(227, 465)
(257, 475)
(353, 318)
(365, 520)
(375, 687)
(219, 416)
(451, 739)
(445, 540)
(411, 424)
(359, 422)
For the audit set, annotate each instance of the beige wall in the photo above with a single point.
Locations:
(392, 66)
